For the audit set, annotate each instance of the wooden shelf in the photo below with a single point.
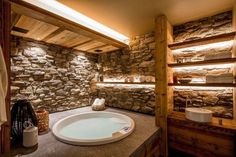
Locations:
(202, 41)
(207, 62)
(140, 83)
(204, 84)
(228, 126)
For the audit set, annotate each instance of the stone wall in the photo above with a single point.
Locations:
(134, 64)
(50, 76)
(209, 26)
(219, 100)
(139, 98)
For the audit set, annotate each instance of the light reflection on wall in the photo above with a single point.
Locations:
(202, 88)
(201, 67)
(218, 45)
(126, 85)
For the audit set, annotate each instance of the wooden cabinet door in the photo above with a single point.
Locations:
(5, 21)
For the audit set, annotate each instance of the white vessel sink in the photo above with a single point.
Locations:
(198, 114)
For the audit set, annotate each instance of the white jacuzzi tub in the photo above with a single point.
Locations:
(93, 128)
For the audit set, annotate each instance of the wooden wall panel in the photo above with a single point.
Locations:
(200, 143)
(37, 30)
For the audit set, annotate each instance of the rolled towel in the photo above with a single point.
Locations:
(99, 104)
(96, 101)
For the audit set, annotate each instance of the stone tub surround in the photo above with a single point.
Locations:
(144, 134)
(49, 76)
(219, 100)
(134, 64)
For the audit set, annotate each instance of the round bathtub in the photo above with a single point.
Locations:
(93, 128)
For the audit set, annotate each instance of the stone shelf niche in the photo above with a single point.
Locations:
(202, 41)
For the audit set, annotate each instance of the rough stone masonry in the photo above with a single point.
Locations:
(49, 76)
(219, 100)
(58, 79)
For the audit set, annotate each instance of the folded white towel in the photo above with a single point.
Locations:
(3, 88)
(98, 104)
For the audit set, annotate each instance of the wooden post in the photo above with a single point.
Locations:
(163, 92)
(5, 18)
(234, 55)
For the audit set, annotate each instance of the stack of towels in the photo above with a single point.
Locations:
(220, 78)
(98, 104)
(218, 56)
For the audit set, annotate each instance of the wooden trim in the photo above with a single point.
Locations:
(14, 19)
(5, 19)
(202, 41)
(205, 62)
(27, 9)
(163, 36)
(56, 32)
(204, 84)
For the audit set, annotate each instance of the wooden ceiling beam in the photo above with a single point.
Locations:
(83, 43)
(98, 47)
(27, 9)
(14, 19)
(56, 32)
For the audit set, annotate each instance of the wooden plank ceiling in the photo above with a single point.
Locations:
(28, 27)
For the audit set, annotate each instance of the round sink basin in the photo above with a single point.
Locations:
(198, 114)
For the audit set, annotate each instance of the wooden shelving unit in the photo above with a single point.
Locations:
(202, 41)
(204, 84)
(175, 127)
(202, 63)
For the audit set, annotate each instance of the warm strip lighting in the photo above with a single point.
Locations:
(203, 47)
(58, 8)
(202, 88)
(126, 85)
(200, 67)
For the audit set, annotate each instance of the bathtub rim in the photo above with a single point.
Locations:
(92, 142)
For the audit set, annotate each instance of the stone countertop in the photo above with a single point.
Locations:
(49, 146)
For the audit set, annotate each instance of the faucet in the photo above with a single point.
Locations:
(188, 101)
